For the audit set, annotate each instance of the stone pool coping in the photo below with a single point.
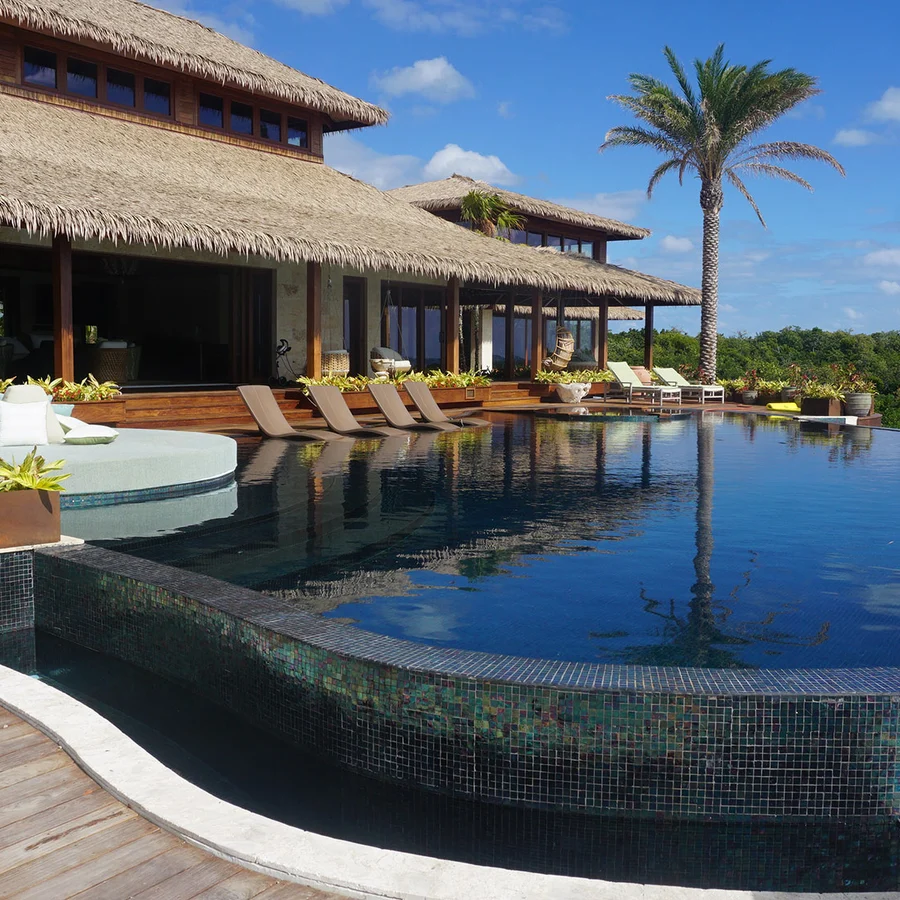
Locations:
(136, 778)
(347, 640)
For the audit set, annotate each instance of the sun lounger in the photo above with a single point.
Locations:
(702, 392)
(331, 403)
(630, 384)
(396, 413)
(431, 412)
(262, 405)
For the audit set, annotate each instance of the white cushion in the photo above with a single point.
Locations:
(113, 345)
(67, 423)
(23, 424)
(91, 434)
(32, 393)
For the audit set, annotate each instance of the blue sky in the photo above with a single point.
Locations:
(515, 92)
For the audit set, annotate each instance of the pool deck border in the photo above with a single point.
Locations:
(133, 776)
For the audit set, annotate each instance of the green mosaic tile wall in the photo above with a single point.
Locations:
(359, 699)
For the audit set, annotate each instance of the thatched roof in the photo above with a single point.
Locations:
(165, 39)
(88, 175)
(616, 313)
(447, 194)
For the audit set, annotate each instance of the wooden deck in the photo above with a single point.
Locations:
(63, 837)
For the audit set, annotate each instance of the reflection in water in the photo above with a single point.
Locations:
(581, 540)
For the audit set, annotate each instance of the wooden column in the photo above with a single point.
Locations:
(648, 337)
(63, 340)
(537, 333)
(509, 363)
(451, 327)
(603, 334)
(313, 320)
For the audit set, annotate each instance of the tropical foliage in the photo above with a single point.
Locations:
(436, 379)
(69, 391)
(574, 376)
(32, 474)
(489, 214)
(708, 130)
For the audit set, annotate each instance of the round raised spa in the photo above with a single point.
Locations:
(690, 618)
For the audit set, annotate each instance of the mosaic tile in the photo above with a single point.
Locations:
(626, 740)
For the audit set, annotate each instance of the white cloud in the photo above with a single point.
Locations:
(672, 244)
(727, 307)
(855, 137)
(852, 314)
(889, 258)
(314, 7)
(623, 205)
(465, 17)
(435, 79)
(891, 288)
(453, 159)
(887, 109)
(231, 20)
(347, 154)
(806, 110)
(504, 109)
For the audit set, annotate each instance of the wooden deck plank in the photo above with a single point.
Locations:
(54, 860)
(187, 884)
(63, 836)
(242, 886)
(40, 763)
(96, 822)
(143, 876)
(45, 791)
(97, 870)
(58, 819)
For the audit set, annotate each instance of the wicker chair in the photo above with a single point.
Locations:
(335, 362)
(118, 364)
(565, 347)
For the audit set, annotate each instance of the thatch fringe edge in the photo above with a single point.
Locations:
(343, 105)
(48, 220)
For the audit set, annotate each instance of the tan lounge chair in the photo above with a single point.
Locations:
(262, 405)
(396, 413)
(331, 403)
(431, 412)
(700, 392)
(630, 384)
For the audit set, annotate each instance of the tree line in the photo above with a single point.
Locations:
(771, 352)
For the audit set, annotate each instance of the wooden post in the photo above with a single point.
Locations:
(451, 327)
(603, 335)
(313, 320)
(509, 363)
(63, 339)
(537, 333)
(648, 337)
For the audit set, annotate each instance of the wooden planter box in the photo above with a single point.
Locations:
(28, 517)
(100, 412)
(820, 406)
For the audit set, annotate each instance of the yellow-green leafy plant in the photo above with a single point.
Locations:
(438, 379)
(5, 383)
(578, 376)
(76, 392)
(32, 474)
(48, 384)
(346, 384)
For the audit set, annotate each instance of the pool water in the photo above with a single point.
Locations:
(713, 540)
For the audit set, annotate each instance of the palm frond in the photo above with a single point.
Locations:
(790, 150)
(735, 181)
(660, 171)
(634, 136)
(757, 168)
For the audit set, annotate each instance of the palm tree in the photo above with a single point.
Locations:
(489, 214)
(711, 130)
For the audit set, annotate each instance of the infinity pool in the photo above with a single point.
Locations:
(714, 540)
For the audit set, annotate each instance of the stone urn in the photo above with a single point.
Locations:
(572, 393)
(858, 404)
(748, 398)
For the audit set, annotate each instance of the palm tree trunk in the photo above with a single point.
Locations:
(711, 202)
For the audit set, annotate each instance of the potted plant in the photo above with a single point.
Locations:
(858, 391)
(750, 387)
(29, 501)
(820, 398)
(790, 390)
